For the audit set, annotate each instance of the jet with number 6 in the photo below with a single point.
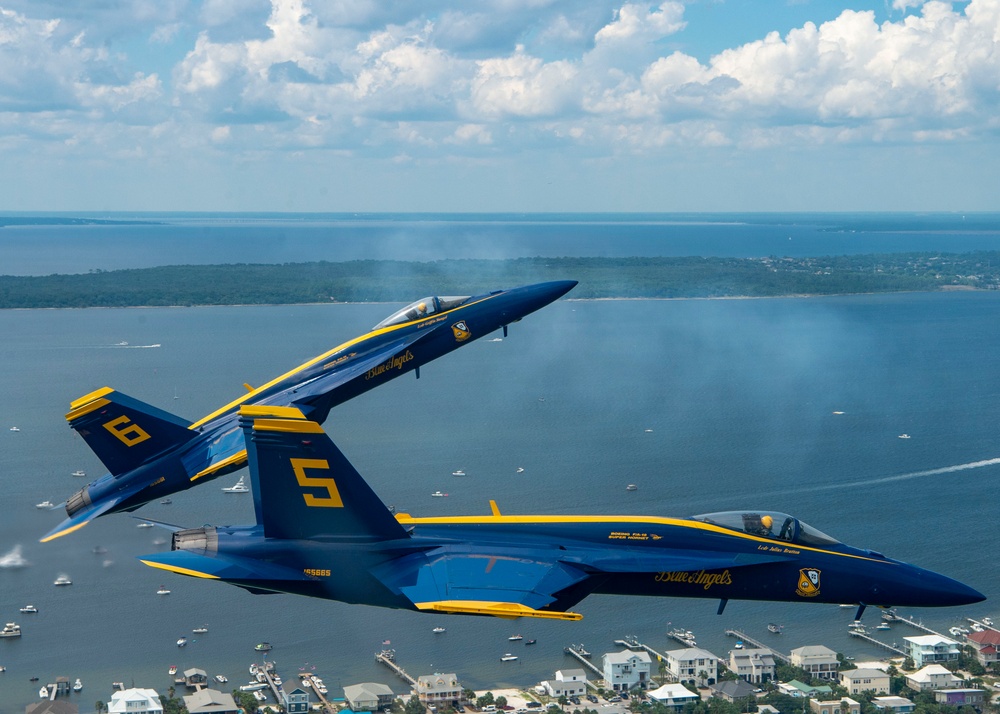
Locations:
(321, 531)
(151, 453)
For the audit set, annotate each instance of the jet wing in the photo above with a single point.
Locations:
(526, 582)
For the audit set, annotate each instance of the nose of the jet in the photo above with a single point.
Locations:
(925, 588)
(524, 300)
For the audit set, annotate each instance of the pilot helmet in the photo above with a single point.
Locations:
(422, 307)
(766, 521)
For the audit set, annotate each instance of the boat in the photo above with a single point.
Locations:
(738, 646)
(904, 436)
(77, 685)
(144, 524)
(32, 679)
(238, 487)
(99, 550)
(79, 472)
(844, 604)
(221, 678)
(62, 580)
(44, 504)
(119, 686)
(166, 502)
(776, 629)
(631, 487)
(43, 693)
(530, 642)
(987, 621)
(182, 641)
(438, 494)
(438, 630)
(173, 670)
(29, 608)
(515, 638)
(14, 428)
(520, 470)
(163, 590)
(508, 657)
(263, 647)
(252, 687)
(11, 629)
(200, 630)
(459, 472)
(259, 696)
(883, 626)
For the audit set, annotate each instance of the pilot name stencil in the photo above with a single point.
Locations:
(701, 577)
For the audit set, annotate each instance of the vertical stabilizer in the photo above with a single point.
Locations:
(304, 487)
(124, 432)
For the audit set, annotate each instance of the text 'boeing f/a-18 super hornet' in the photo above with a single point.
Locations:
(321, 531)
(151, 453)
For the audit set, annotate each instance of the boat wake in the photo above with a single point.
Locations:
(13, 559)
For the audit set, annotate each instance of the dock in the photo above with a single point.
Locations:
(578, 652)
(739, 634)
(328, 706)
(861, 634)
(913, 623)
(275, 689)
(388, 658)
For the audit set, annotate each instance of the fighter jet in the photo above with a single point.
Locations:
(321, 531)
(150, 453)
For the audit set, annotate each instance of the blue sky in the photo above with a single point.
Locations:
(510, 105)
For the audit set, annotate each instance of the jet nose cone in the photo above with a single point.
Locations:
(935, 590)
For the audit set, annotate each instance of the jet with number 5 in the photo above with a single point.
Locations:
(321, 531)
(151, 453)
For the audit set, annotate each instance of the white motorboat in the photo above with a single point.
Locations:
(44, 504)
(163, 590)
(43, 693)
(438, 630)
(515, 638)
(508, 657)
(631, 487)
(438, 494)
(63, 580)
(29, 608)
(200, 630)
(238, 487)
(11, 629)
(458, 472)
(221, 678)
(77, 685)
(79, 472)
(182, 641)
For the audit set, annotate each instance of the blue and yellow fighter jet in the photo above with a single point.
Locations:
(151, 453)
(321, 531)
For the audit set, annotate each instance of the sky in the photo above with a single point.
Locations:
(508, 105)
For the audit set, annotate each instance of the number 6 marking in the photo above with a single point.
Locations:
(299, 466)
(126, 432)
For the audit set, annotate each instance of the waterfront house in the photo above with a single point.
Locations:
(433, 689)
(960, 697)
(986, 644)
(195, 678)
(930, 649)
(673, 696)
(895, 705)
(844, 705)
(368, 696)
(135, 701)
(819, 661)
(733, 690)
(567, 682)
(210, 701)
(755, 666)
(692, 665)
(856, 681)
(296, 701)
(626, 670)
(933, 676)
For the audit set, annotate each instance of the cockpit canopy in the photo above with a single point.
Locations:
(421, 309)
(768, 524)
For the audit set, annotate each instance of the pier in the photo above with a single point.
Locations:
(328, 706)
(583, 656)
(275, 688)
(759, 645)
(860, 633)
(912, 623)
(388, 658)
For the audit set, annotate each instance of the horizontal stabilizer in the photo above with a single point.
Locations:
(124, 432)
(230, 568)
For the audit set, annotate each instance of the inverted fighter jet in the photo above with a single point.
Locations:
(151, 453)
(321, 531)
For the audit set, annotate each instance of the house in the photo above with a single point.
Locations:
(819, 661)
(673, 696)
(931, 677)
(986, 644)
(960, 697)
(733, 690)
(195, 678)
(753, 665)
(795, 688)
(210, 701)
(135, 701)
(54, 706)
(856, 681)
(692, 665)
(896, 705)
(626, 670)
(844, 705)
(368, 696)
(930, 649)
(567, 683)
(435, 688)
(296, 701)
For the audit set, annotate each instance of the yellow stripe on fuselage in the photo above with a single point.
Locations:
(326, 355)
(406, 519)
(182, 571)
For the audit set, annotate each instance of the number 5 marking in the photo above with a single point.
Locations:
(299, 466)
(126, 432)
